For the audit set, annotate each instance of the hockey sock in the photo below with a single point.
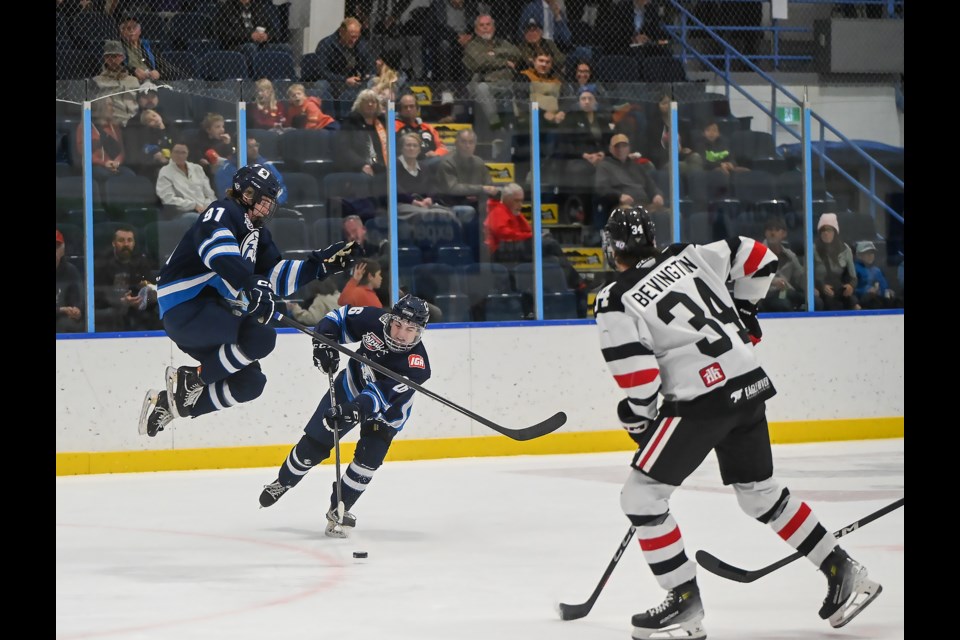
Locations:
(304, 456)
(795, 522)
(353, 484)
(663, 549)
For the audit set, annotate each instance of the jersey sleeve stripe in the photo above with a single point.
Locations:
(217, 251)
(623, 351)
(754, 259)
(636, 378)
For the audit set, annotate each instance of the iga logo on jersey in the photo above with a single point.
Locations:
(416, 360)
(373, 342)
(712, 375)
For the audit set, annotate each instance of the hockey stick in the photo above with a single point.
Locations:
(549, 425)
(577, 611)
(715, 565)
(336, 446)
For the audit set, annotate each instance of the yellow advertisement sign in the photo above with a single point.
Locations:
(501, 172)
(422, 93)
(585, 258)
(448, 130)
(549, 213)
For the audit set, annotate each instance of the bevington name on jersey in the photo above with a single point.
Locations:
(661, 278)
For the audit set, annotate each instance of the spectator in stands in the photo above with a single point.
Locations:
(183, 186)
(624, 179)
(243, 25)
(551, 18)
(583, 79)
(150, 144)
(656, 146)
(139, 57)
(448, 31)
(203, 146)
(69, 293)
(492, 63)
(585, 139)
(223, 178)
(463, 178)
(360, 290)
(416, 188)
(306, 112)
(787, 287)
(267, 112)
(389, 81)
(125, 296)
(379, 249)
(633, 26)
(533, 43)
(318, 297)
(345, 61)
(106, 141)
(147, 98)
(114, 80)
(872, 289)
(834, 273)
(544, 88)
(409, 121)
(364, 136)
(714, 149)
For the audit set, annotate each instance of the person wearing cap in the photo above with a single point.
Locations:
(624, 179)
(533, 43)
(834, 273)
(873, 291)
(115, 81)
(550, 19)
(788, 285)
(69, 293)
(139, 56)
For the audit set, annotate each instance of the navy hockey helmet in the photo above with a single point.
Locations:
(410, 316)
(262, 184)
(629, 235)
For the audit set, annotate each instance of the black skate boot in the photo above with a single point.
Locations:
(848, 589)
(272, 492)
(679, 616)
(339, 529)
(183, 389)
(155, 413)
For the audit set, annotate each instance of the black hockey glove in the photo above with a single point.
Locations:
(325, 358)
(261, 300)
(343, 415)
(748, 316)
(336, 257)
(637, 426)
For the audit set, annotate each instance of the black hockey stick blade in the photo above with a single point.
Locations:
(549, 425)
(577, 611)
(715, 565)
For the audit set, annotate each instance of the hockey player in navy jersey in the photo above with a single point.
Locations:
(227, 257)
(379, 404)
(669, 327)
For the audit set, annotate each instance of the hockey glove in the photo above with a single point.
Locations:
(325, 358)
(636, 426)
(261, 300)
(748, 316)
(336, 257)
(343, 416)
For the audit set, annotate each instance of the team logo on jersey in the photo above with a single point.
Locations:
(712, 375)
(248, 248)
(416, 360)
(373, 342)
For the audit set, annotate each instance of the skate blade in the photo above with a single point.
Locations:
(336, 531)
(864, 597)
(149, 402)
(171, 376)
(684, 631)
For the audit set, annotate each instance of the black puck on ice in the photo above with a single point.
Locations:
(359, 554)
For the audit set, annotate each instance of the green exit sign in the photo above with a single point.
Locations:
(788, 115)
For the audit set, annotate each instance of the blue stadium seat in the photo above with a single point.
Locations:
(223, 65)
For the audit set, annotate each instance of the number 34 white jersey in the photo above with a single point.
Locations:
(669, 325)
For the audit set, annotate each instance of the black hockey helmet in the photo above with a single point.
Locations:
(629, 235)
(263, 183)
(412, 314)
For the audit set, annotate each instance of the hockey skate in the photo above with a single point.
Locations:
(155, 413)
(184, 389)
(336, 529)
(272, 492)
(679, 616)
(848, 589)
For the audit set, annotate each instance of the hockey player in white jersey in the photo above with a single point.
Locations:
(669, 327)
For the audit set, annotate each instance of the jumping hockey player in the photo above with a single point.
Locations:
(375, 402)
(669, 327)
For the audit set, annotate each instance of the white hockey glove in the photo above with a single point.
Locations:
(637, 427)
